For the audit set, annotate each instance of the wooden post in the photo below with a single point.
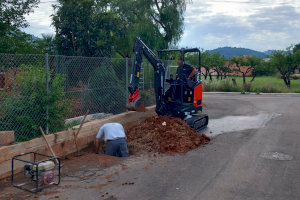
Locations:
(56, 161)
(75, 136)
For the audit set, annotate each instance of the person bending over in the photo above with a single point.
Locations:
(115, 139)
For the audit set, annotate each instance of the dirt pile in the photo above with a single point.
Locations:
(164, 135)
(141, 108)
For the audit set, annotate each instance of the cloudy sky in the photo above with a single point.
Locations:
(255, 24)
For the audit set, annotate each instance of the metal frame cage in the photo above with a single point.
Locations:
(37, 187)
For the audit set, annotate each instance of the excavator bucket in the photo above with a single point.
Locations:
(135, 103)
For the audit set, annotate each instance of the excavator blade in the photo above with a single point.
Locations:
(198, 121)
(136, 104)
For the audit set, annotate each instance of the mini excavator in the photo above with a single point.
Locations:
(182, 98)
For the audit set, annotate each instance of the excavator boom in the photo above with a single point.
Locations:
(135, 101)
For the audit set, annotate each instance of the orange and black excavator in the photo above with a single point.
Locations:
(182, 98)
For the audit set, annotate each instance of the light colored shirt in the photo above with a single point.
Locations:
(111, 131)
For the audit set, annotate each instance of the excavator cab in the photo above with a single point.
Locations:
(183, 97)
(182, 83)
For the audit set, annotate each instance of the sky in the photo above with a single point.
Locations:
(259, 25)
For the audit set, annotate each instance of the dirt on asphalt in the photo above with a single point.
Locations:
(164, 134)
(141, 108)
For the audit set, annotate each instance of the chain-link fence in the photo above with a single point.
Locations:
(147, 80)
(21, 109)
(54, 92)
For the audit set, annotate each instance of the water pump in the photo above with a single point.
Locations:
(45, 174)
(40, 170)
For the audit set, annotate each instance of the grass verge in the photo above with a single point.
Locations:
(264, 84)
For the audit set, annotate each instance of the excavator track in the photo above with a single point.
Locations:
(198, 122)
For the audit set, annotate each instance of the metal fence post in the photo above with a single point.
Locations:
(126, 80)
(169, 69)
(47, 89)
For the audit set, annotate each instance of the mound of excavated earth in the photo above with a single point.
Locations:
(164, 134)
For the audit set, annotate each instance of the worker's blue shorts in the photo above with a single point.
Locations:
(117, 147)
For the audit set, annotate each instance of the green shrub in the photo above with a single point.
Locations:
(295, 91)
(207, 87)
(247, 87)
(106, 92)
(25, 110)
(271, 88)
(266, 84)
(119, 65)
(224, 85)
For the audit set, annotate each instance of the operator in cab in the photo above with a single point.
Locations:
(186, 70)
(115, 139)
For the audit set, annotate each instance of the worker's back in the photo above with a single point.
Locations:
(113, 130)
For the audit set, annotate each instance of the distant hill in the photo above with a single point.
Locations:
(229, 52)
(269, 52)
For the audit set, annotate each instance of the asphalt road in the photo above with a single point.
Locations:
(231, 168)
(253, 156)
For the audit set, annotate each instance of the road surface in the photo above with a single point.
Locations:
(254, 154)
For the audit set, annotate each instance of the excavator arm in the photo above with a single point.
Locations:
(135, 101)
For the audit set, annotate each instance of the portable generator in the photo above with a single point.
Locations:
(41, 173)
(45, 174)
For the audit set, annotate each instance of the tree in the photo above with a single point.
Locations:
(47, 44)
(98, 28)
(84, 28)
(265, 69)
(18, 42)
(218, 64)
(192, 57)
(296, 56)
(285, 63)
(207, 63)
(243, 65)
(253, 62)
(12, 40)
(12, 13)
(158, 23)
(226, 68)
(296, 48)
(214, 62)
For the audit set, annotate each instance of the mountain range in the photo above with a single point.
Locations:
(230, 52)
